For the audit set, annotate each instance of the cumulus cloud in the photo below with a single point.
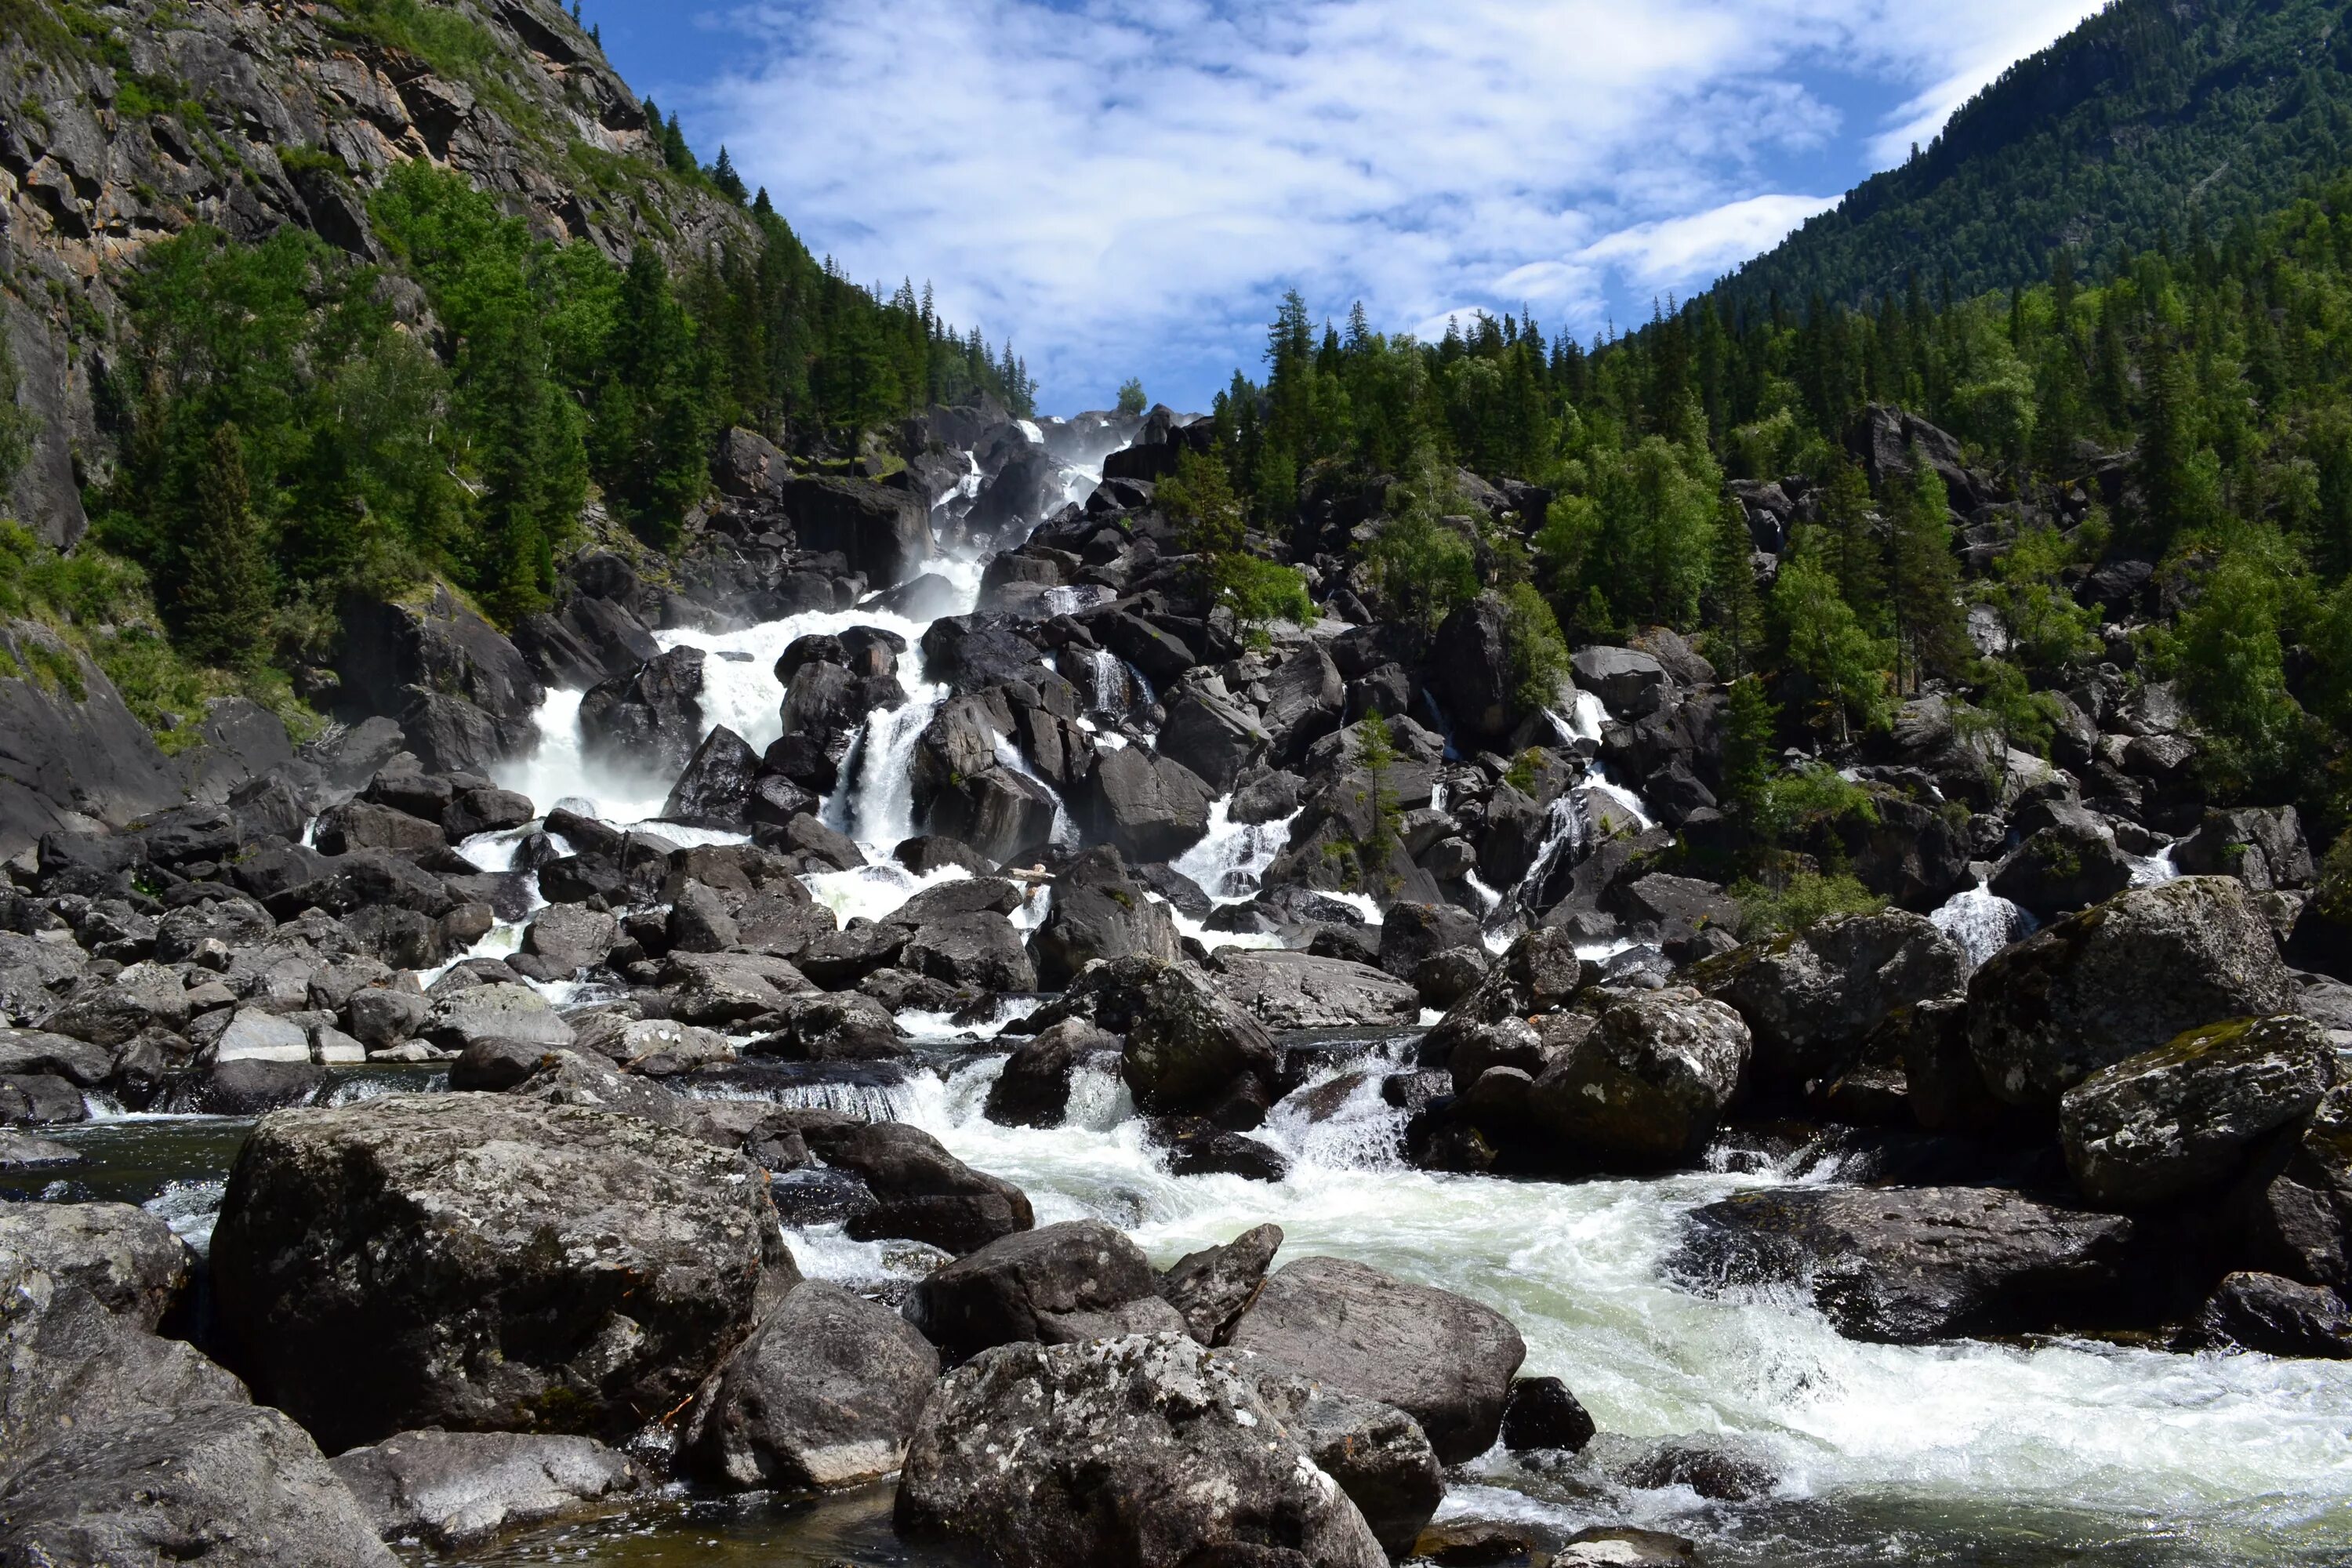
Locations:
(1129, 184)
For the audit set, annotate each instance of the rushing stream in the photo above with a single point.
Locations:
(2029, 1452)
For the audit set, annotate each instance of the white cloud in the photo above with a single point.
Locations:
(1124, 185)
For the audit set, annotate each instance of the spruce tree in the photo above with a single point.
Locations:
(1750, 721)
(1922, 580)
(1852, 548)
(1736, 611)
(225, 602)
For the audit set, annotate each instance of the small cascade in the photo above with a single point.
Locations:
(877, 805)
(2154, 870)
(1563, 843)
(1982, 922)
(1108, 680)
(1230, 860)
(1008, 756)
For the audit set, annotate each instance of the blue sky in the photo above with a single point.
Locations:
(1126, 187)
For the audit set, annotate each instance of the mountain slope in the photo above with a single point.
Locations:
(2151, 115)
(129, 122)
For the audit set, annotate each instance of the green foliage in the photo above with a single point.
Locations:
(2232, 671)
(1823, 640)
(1644, 536)
(1735, 610)
(1923, 581)
(1793, 804)
(1376, 754)
(18, 425)
(224, 603)
(1797, 902)
(1538, 654)
(2047, 630)
(1749, 724)
(1425, 568)
(1130, 397)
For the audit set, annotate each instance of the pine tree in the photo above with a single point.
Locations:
(1130, 397)
(2166, 447)
(1736, 611)
(1749, 723)
(1851, 546)
(723, 175)
(1922, 580)
(224, 603)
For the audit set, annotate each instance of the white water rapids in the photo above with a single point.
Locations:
(1972, 1453)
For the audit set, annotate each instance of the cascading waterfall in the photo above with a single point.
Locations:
(1982, 922)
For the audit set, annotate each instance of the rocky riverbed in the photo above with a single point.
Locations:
(758, 1069)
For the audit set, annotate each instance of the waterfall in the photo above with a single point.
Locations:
(1982, 922)
(1109, 681)
(1232, 856)
(1008, 755)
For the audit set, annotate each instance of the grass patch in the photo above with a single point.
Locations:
(1800, 902)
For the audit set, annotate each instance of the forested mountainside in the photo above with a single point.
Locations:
(369, 294)
(2155, 120)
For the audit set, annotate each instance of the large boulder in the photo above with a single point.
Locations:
(715, 791)
(1290, 990)
(2264, 849)
(1377, 1452)
(456, 1489)
(240, 1486)
(1152, 807)
(487, 1262)
(1443, 1359)
(1214, 1286)
(2065, 866)
(1644, 1088)
(2125, 978)
(883, 532)
(650, 719)
(1142, 1452)
(982, 950)
(1907, 1265)
(1099, 911)
(1811, 1000)
(1056, 1284)
(1631, 684)
(2183, 1118)
(129, 1260)
(1189, 1041)
(1470, 673)
(823, 1393)
(502, 1010)
(1033, 1089)
(2295, 1204)
(1305, 699)
(923, 1191)
(1212, 735)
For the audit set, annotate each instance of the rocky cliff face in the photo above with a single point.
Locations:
(128, 122)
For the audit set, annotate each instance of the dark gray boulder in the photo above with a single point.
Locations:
(1291, 990)
(923, 1191)
(1306, 700)
(1910, 1265)
(649, 720)
(1645, 1087)
(487, 1261)
(2264, 849)
(2183, 1117)
(1811, 1000)
(2295, 1204)
(1213, 1288)
(2275, 1317)
(823, 1393)
(1099, 911)
(1188, 1040)
(1152, 808)
(1055, 1284)
(1470, 674)
(882, 532)
(1379, 1455)
(1205, 1146)
(1033, 1089)
(1211, 733)
(2125, 978)
(1631, 684)
(2064, 867)
(715, 790)
(1543, 1413)
(980, 950)
(1446, 1361)
(1411, 933)
(236, 1485)
(128, 1260)
(1142, 1452)
(456, 1489)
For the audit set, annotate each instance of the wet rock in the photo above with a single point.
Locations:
(1810, 1001)
(1910, 1265)
(1188, 1040)
(1470, 673)
(485, 811)
(41, 1099)
(1033, 1089)
(1379, 1455)
(923, 1191)
(2066, 866)
(718, 989)
(1099, 911)
(1143, 1452)
(476, 1261)
(1443, 1360)
(2295, 1204)
(649, 720)
(884, 533)
(1617, 1546)
(1213, 1288)
(250, 1087)
(1199, 1146)
(126, 1258)
(2118, 979)
(1716, 1470)
(1052, 1285)
(1411, 933)
(1539, 973)
(455, 1489)
(843, 1027)
(2264, 849)
(493, 1065)
(1152, 808)
(1645, 1087)
(496, 1012)
(2179, 1119)
(715, 790)
(823, 1393)
(213, 1483)
(571, 937)
(2275, 1317)
(982, 950)
(1542, 1413)
(22, 1152)
(360, 825)
(1288, 990)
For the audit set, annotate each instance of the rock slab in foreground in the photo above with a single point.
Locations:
(1909, 1265)
(1442, 1358)
(1144, 1452)
(451, 1489)
(488, 1263)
